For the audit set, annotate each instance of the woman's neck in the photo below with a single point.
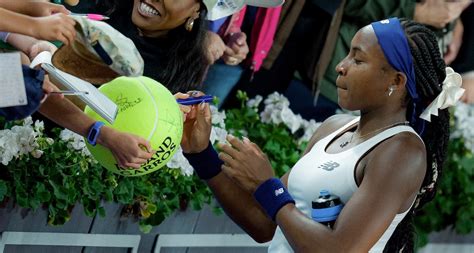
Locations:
(369, 121)
(152, 34)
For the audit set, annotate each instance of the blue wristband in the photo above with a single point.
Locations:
(94, 132)
(206, 163)
(272, 195)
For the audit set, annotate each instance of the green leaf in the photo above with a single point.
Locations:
(42, 193)
(156, 218)
(101, 211)
(152, 208)
(145, 228)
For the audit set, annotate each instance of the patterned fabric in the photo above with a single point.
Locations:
(116, 50)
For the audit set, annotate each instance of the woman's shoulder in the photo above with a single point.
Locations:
(405, 143)
(403, 155)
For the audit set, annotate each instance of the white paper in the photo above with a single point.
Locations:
(12, 85)
(100, 103)
(95, 99)
(43, 57)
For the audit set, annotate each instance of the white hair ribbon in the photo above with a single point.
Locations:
(450, 94)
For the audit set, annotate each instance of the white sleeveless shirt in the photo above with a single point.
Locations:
(318, 170)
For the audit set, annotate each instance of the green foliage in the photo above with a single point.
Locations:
(62, 178)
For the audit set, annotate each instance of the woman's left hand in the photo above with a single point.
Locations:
(49, 87)
(185, 109)
(236, 49)
(245, 163)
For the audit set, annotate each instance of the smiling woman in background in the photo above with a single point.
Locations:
(168, 34)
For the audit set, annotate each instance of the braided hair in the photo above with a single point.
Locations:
(429, 73)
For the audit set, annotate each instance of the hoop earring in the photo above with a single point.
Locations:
(189, 24)
(390, 90)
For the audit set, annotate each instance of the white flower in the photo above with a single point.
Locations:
(17, 141)
(8, 146)
(266, 115)
(243, 132)
(277, 111)
(178, 161)
(292, 121)
(218, 135)
(39, 126)
(28, 121)
(309, 128)
(217, 117)
(74, 141)
(254, 102)
(66, 135)
(25, 138)
(464, 115)
(37, 153)
(50, 141)
(277, 99)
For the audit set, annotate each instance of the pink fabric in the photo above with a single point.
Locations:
(263, 33)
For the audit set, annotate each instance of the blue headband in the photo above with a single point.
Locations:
(394, 44)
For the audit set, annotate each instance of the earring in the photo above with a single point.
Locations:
(189, 24)
(390, 90)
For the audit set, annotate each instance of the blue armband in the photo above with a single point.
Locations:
(206, 163)
(272, 195)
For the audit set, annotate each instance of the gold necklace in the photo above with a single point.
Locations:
(342, 145)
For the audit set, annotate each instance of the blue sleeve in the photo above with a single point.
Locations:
(215, 25)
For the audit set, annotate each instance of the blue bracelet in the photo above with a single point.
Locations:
(272, 195)
(94, 132)
(206, 163)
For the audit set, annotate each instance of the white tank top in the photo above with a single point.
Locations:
(318, 170)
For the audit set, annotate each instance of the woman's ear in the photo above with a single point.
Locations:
(400, 79)
(196, 9)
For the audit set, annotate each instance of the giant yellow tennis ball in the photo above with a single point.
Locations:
(147, 109)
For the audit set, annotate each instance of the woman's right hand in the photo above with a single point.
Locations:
(438, 13)
(43, 9)
(215, 47)
(130, 151)
(58, 26)
(197, 127)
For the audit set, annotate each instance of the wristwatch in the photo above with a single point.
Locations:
(94, 132)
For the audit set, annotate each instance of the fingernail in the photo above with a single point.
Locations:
(246, 140)
(230, 136)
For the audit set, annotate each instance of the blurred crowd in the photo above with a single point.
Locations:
(188, 45)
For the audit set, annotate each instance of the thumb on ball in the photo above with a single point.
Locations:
(145, 145)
